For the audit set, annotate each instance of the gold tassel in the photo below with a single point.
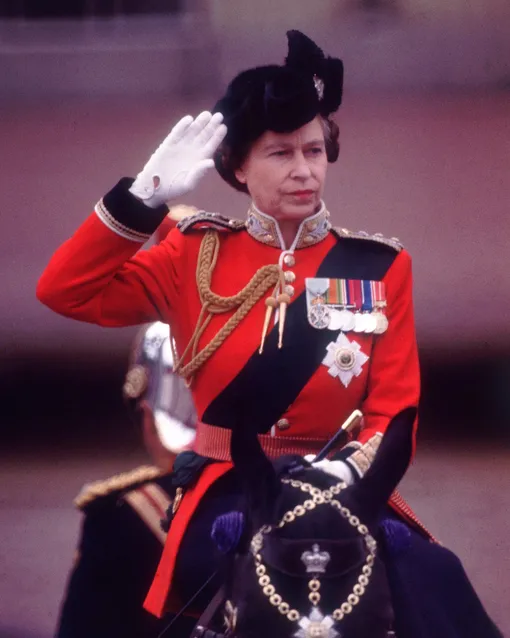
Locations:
(283, 300)
(271, 303)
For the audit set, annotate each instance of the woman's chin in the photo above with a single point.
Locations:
(298, 211)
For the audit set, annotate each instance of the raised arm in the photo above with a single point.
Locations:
(99, 275)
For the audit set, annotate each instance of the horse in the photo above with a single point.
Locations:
(309, 557)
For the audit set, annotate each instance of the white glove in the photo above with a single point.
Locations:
(338, 469)
(181, 160)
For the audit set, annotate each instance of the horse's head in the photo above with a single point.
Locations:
(307, 564)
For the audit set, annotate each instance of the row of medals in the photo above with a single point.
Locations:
(321, 316)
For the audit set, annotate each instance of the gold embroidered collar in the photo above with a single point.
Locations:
(265, 229)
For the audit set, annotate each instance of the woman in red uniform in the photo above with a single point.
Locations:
(297, 321)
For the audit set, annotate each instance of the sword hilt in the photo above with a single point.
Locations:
(346, 427)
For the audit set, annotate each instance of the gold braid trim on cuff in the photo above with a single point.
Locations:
(354, 445)
(117, 227)
(92, 491)
(363, 457)
(265, 278)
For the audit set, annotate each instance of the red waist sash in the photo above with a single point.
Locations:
(214, 442)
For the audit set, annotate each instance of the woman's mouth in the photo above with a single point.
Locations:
(303, 193)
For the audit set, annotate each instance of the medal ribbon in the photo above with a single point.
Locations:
(378, 294)
(334, 294)
(355, 293)
(345, 292)
(361, 294)
(338, 293)
(366, 289)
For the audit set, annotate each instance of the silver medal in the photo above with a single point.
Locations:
(382, 323)
(319, 316)
(370, 323)
(359, 322)
(337, 320)
(347, 320)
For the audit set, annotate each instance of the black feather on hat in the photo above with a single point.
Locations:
(277, 98)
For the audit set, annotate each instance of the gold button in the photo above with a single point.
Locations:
(289, 290)
(290, 277)
(289, 260)
(283, 424)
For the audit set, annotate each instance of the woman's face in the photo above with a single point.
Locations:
(285, 172)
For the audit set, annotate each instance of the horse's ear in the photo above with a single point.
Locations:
(390, 464)
(256, 473)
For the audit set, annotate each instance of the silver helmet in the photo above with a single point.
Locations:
(151, 378)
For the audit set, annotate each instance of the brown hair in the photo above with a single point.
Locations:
(228, 159)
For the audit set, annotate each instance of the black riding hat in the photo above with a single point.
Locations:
(277, 98)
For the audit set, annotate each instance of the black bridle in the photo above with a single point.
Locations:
(201, 629)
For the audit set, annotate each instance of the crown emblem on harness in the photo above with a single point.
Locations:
(315, 561)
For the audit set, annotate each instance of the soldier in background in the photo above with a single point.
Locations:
(122, 537)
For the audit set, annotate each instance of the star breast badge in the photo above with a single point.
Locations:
(316, 625)
(344, 359)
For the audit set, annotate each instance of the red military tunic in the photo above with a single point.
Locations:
(100, 276)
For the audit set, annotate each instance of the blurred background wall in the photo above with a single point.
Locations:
(87, 91)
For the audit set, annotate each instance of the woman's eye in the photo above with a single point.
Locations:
(316, 150)
(280, 153)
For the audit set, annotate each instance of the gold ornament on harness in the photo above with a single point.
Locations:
(315, 625)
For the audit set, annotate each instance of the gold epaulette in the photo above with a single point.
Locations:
(181, 211)
(92, 491)
(379, 238)
(205, 221)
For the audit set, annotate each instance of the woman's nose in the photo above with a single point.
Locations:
(301, 168)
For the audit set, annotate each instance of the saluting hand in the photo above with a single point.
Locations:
(181, 160)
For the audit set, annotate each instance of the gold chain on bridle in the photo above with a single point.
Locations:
(266, 277)
(318, 497)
